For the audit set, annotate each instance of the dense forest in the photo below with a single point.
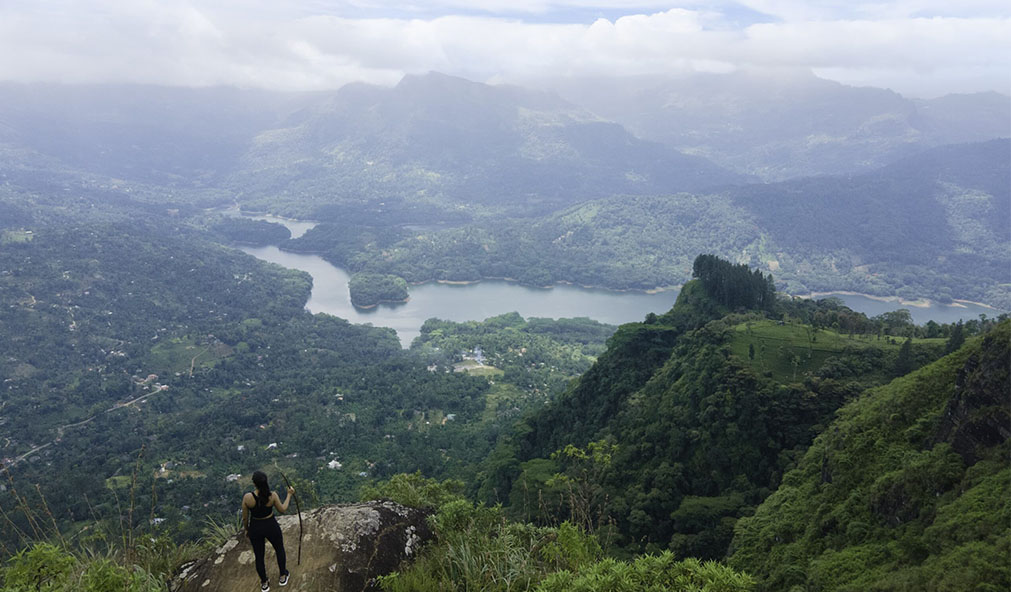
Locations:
(250, 232)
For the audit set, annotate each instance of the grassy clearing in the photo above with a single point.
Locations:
(182, 354)
(789, 350)
(119, 482)
(8, 237)
(476, 369)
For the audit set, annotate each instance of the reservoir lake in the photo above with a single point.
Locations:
(466, 302)
(488, 298)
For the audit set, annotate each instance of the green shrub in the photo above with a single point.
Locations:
(48, 568)
(41, 568)
(414, 490)
(649, 573)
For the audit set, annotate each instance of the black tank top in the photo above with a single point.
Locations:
(261, 511)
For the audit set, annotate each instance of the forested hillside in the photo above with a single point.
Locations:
(691, 418)
(908, 488)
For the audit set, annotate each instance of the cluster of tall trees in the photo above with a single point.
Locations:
(734, 286)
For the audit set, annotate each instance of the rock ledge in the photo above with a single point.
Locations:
(344, 548)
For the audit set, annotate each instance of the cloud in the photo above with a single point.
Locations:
(914, 45)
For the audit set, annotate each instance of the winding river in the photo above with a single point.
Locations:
(470, 302)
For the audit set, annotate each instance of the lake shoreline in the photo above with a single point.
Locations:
(657, 290)
(237, 208)
(372, 306)
(481, 300)
(918, 303)
(922, 303)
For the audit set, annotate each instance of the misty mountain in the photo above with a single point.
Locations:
(446, 137)
(788, 124)
(185, 137)
(940, 218)
(441, 138)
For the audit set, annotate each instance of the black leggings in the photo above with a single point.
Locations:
(261, 531)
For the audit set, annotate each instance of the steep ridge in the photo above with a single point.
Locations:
(907, 489)
(705, 410)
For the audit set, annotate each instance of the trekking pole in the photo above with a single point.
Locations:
(299, 510)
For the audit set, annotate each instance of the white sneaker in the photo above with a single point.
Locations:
(265, 587)
(283, 580)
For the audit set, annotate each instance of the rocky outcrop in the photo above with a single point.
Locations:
(344, 548)
(977, 416)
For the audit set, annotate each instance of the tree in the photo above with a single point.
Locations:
(904, 361)
(956, 340)
(933, 329)
(582, 479)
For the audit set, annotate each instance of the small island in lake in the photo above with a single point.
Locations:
(370, 289)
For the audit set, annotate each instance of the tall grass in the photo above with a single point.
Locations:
(106, 554)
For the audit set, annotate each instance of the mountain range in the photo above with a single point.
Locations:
(780, 125)
(443, 133)
(636, 175)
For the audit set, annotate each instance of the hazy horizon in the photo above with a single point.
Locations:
(918, 48)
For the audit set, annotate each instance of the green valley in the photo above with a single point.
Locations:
(736, 440)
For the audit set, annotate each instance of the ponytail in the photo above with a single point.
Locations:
(262, 487)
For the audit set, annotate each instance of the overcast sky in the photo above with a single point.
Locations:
(917, 47)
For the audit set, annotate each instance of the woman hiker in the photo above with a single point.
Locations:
(261, 526)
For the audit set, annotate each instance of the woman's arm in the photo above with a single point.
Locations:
(245, 512)
(282, 508)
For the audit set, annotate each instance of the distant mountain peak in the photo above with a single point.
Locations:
(433, 77)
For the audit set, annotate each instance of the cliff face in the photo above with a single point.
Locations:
(344, 548)
(976, 418)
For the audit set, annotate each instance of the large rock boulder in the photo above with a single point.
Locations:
(344, 548)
